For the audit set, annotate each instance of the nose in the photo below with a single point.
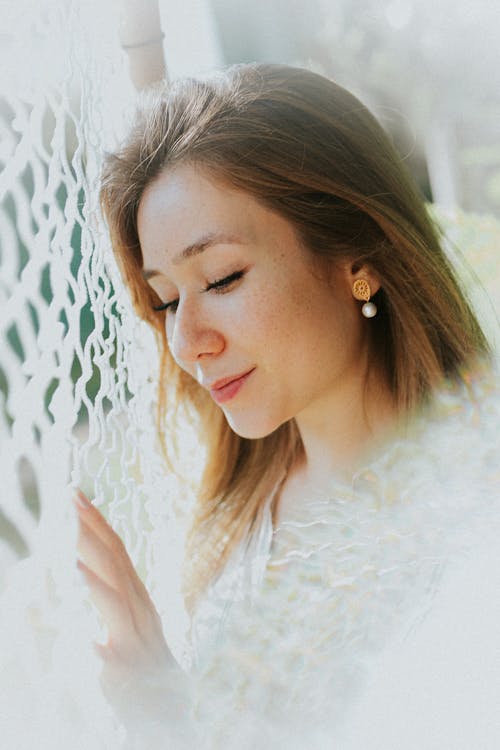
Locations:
(192, 335)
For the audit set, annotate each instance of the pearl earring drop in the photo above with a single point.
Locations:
(361, 291)
(369, 310)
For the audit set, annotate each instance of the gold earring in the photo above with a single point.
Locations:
(361, 291)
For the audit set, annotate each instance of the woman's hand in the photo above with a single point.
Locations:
(136, 649)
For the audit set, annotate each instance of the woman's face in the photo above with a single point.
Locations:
(246, 301)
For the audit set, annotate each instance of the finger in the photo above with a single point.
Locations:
(126, 648)
(115, 672)
(111, 606)
(105, 554)
(93, 517)
(104, 551)
(102, 560)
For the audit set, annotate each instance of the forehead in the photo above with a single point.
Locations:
(183, 202)
(184, 206)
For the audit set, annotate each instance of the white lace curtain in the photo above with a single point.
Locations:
(77, 370)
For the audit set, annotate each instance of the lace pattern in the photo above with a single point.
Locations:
(344, 575)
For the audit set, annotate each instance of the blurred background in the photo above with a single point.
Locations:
(430, 72)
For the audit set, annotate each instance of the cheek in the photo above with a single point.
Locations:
(325, 333)
(274, 326)
(259, 316)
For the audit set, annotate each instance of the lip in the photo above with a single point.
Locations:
(225, 381)
(226, 388)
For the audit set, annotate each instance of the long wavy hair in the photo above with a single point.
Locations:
(310, 151)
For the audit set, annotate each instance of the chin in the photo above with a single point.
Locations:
(252, 429)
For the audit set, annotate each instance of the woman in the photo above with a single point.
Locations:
(268, 232)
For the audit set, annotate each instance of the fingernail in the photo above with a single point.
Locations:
(81, 500)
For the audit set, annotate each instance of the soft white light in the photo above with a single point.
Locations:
(399, 13)
(191, 45)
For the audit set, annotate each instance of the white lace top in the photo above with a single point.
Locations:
(286, 641)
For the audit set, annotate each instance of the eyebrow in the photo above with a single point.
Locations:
(196, 249)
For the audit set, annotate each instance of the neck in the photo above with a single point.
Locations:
(340, 431)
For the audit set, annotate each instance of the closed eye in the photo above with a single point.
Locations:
(219, 287)
(226, 281)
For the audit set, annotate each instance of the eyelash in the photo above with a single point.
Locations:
(218, 286)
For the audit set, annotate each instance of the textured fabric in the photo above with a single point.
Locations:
(345, 577)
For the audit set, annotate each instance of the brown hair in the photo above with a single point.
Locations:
(306, 148)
